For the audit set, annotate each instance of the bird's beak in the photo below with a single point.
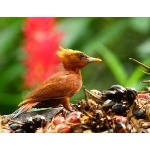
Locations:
(92, 59)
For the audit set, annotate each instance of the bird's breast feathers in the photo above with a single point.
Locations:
(61, 84)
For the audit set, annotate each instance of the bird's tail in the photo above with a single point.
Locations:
(23, 109)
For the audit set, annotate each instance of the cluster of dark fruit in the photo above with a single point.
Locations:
(119, 99)
(107, 111)
(29, 126)
(118, 92)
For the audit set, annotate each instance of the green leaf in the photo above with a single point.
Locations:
(10, 99)
(7, 36)
(108, 35)
(140, 24)
(113, 63)
(73, 29)
(137, 74)
(11, 73)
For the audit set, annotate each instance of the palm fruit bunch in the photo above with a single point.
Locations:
(115, 110)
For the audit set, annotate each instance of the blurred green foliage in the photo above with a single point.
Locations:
(114, 40)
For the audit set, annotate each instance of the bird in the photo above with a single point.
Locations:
(61, 86)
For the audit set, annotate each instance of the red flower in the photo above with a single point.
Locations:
(42, 40)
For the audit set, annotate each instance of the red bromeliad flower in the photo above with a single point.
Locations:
(41, 43)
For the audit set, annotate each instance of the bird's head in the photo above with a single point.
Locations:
(74, 59)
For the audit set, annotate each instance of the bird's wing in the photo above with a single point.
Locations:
(62, 84)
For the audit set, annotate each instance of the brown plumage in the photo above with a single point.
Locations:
(60, 87)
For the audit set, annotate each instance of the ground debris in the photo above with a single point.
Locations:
(115, 110)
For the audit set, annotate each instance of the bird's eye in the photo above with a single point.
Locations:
(81, 55)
